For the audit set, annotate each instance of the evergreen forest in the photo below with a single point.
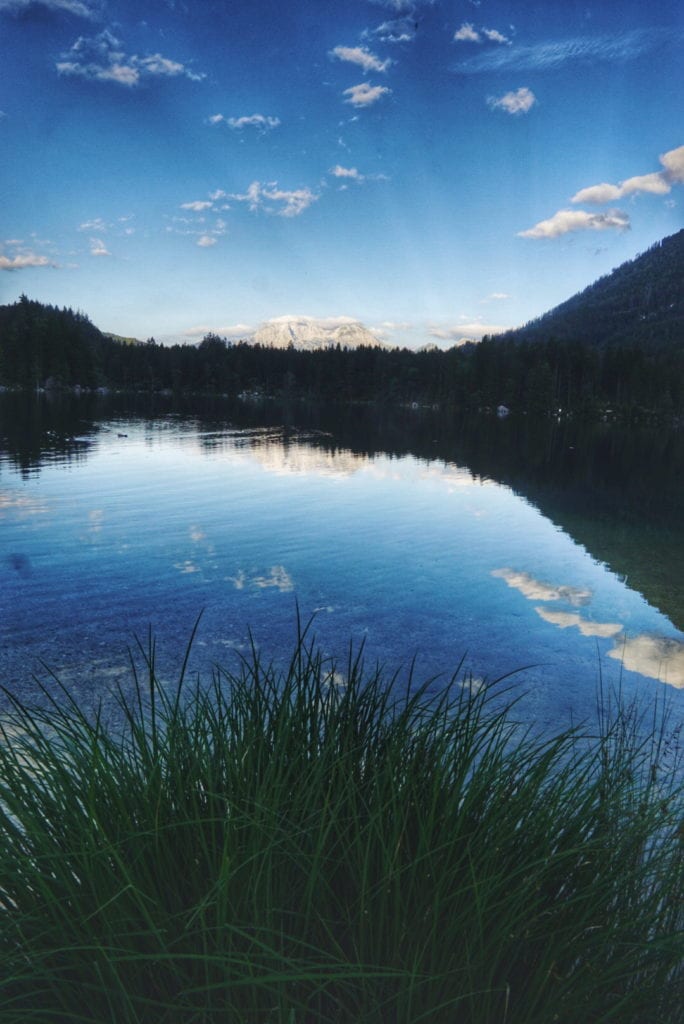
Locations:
(616, 349)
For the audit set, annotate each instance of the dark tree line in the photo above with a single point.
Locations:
(43, 346)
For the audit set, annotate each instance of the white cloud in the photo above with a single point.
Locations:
(101, 58)
(346, 172)
(518, 102)
(364, 95)
(467, 34)
(497, 297)
(494, 36)
(206, 241)
(197, 205)
(261, 122)
(269, 197)
(656, 183)
(98, 248)
(599, 194)
(23, 260)
(254, 121)
(361, 56)
(673, 162)
(565, 221)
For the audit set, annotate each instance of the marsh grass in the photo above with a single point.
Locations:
(276, 847)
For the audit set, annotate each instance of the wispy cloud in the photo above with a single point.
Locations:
(361, 56)
(24, 260)
(656, 183)
(96, 224)
(565, 221)
(101, 58)
(206, 241)
(402, 6)
(262, 122)
(233, 331)
(398, 30)
(364, 95)
(464, 330)
(518, 102)
(98, 248)
(80, 8)
(557, 53)
(270, 198)
(197, 205)
(346, 174)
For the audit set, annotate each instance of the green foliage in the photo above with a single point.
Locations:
(303, 846)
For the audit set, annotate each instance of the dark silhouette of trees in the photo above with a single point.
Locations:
(617, 349)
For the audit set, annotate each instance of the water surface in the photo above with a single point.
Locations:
(527, 557)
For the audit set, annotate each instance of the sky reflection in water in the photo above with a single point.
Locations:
(412, 558)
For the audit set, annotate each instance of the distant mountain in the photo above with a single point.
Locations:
(307, 333)
(641, 302)
(121, 339)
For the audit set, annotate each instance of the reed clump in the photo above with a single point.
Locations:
(310, 845)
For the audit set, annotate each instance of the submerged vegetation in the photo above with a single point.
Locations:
(309, 845)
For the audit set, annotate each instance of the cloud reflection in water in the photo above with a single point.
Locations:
(657, 657)
(537, 590)
(587, 628)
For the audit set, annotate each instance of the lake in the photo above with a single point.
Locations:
(553, 551)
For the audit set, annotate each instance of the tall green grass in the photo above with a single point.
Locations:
(284, 847)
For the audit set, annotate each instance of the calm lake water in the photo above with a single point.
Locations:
(556, 551)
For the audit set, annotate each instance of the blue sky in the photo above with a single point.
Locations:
(437, 169)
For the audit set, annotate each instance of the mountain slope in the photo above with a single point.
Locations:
(641, 302)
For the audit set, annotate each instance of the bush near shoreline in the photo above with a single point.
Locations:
(310, 845)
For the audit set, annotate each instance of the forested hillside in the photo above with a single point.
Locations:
(640, 303)
(43, 344)
(617, 349)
